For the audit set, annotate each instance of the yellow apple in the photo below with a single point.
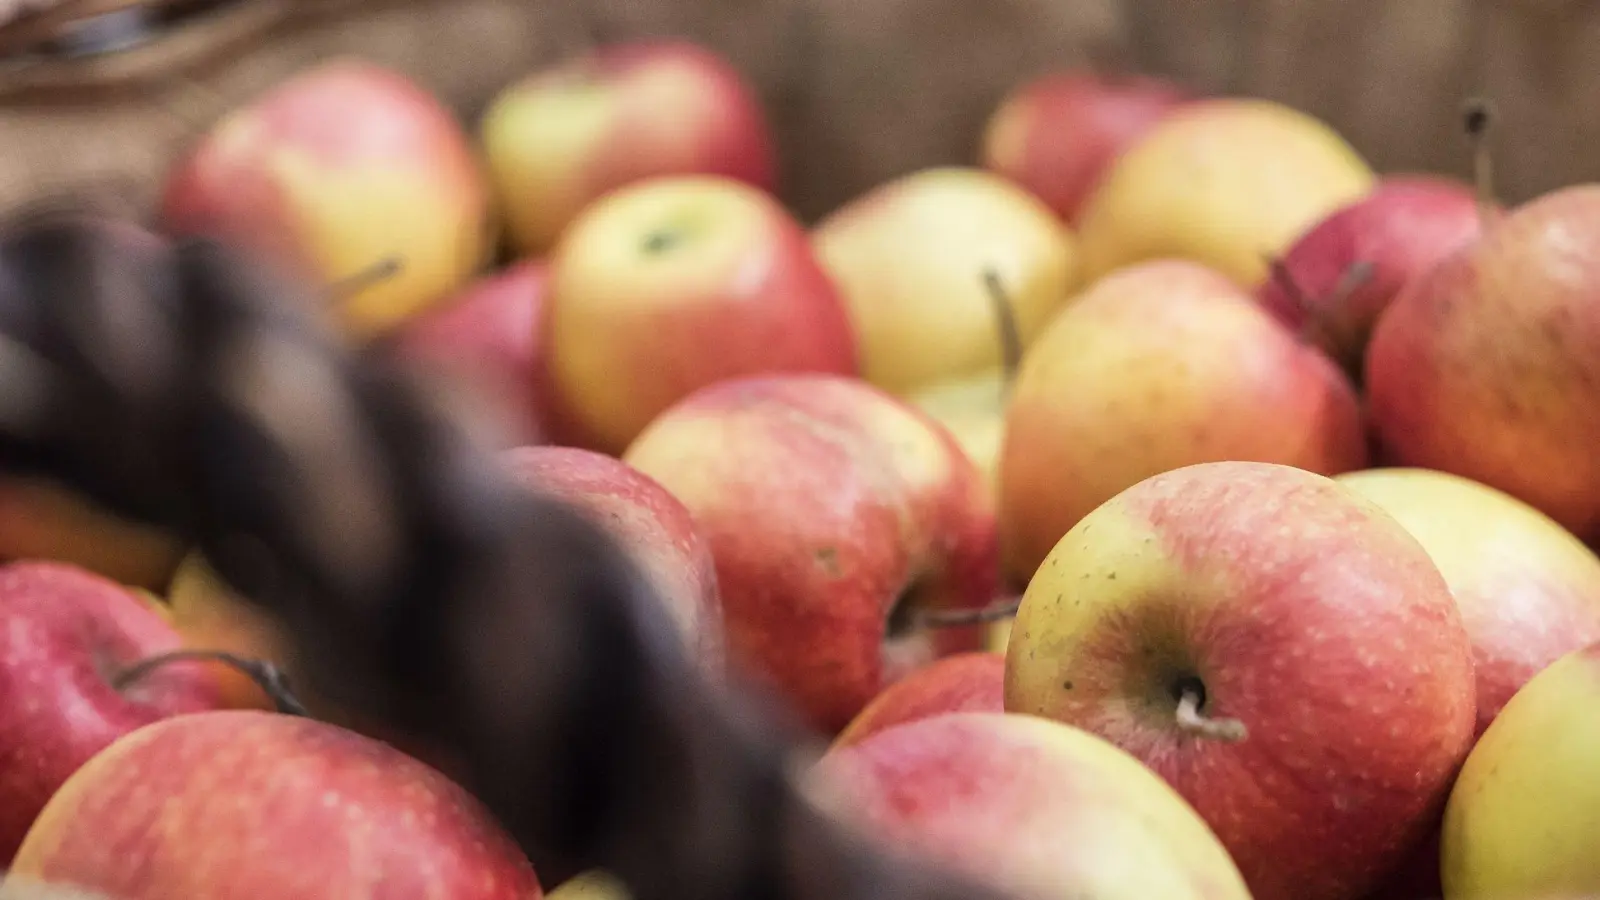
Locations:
(593, 884)
(973, 410)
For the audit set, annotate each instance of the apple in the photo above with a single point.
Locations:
(1056, 133)
(44, 520)
(335, 170)
(649, 522)
(592, 884)
(972, 409)
(1277, 647)
(1224, 181)
(672, 284)
(67, 683)
(259, 804)
(910, 258)
(1035, 807)
(1160, 365)
(840, 519)
(1334, 282)
(964, 682)
(1521, 818)
(485, 341)
(1488, 365)
(562, 137)
(209, 615)
(1528, 591)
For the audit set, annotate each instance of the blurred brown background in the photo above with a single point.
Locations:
(861, 90)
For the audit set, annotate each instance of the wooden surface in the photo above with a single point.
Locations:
(862, 90)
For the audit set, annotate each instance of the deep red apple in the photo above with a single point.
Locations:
(965, 682)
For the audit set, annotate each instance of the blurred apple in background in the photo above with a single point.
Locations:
(594, 884)
(673, 284)
(651, 525)
(838, 516)
(1488, 365)
(250, 803)
(1228, 182)
(1278, 648)
(44, 520)
(1055, 134)
(1032, 806)
(1522, 817)
(965, 682)
(559, 139)
(973, 410)
(334, 171)
(67, 682)
(910, 258)
(1161, 365)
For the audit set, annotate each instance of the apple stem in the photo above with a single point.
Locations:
(1478, 116)
(960, 618)
(1285, 280)
(1192, 720)
(1006, 319)
(271, 679)
(1354, 276)
(377, 273)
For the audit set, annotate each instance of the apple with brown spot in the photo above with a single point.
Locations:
(964, 682)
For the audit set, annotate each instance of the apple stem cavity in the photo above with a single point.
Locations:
(1478, 118)
(271, 679)
(1005, 318)
(961, 618)
(1191, 693)
(377, 273)
(660, 241)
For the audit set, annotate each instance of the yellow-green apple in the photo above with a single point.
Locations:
(335, 170)
(1528, 591)
(593, 884)
(41, 519)
(1488, 365)
(964, 682)
(843, 522)
(1041, 810)
(1274, 645)
(910, 258)
(1522, 817)
(1225, 181)
(562, 137)
(1160, 365)
(1334, 282)
(652, 525)
(68, 683)
(671, 284)
(972, 408)
(252, 803)
(485, 342)
(1056, 133)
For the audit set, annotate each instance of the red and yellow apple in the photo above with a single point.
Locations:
(965, 682)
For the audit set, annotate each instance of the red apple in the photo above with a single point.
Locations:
(69, 637)
(649, 522)
(561, 138)
(248, 803)
(334, 171)
(838, 516)
(672, 284)
(1277, 647)
(1341, 275)
(1055, 134)
(485, 340)
(1488, 365)
(965, 682)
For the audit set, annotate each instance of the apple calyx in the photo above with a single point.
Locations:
(271, 679)
(1191, 694)
(377, 273)
(1005, 317)
(661, 240)
(1477, 118)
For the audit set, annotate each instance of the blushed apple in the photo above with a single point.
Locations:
(965, 682)
(838, 517)
(1278, 648)
(1224, 181)
(335, 170)
(566, 135)
(1161, 365)
(672, 284)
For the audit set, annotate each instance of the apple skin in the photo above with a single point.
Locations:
(671, 284)
(208, 615)
(1163, 364)
(43, 520)
(909, 258)
(1521, 819)
(329, 173)
(1304, 612)
(1403, 228)
(650, 523)
(68, 633)
(254, 803)
(485, 340)
(972, 408)
(1040, 809)
(1225, 181)
(965, 682)
(1055, 134)
(566, 135)
(833, 511)
(1488, 365)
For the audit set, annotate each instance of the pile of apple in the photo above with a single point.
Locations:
(1294, 467)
